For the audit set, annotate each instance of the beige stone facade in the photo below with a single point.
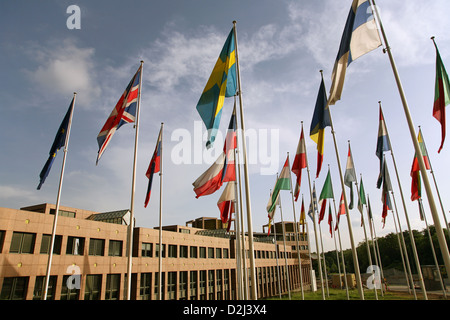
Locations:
(90, 258)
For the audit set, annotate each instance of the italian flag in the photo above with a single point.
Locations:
(442, 93)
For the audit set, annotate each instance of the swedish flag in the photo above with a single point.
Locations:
(222, 83)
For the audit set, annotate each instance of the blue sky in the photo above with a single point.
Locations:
(282, 47)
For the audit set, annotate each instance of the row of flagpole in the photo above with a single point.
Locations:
(128, 109)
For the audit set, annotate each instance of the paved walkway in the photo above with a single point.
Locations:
(404, 288)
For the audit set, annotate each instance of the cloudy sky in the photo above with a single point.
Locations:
(282, 46)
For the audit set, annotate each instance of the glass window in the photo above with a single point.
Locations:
(93, 287)
(14, 288)
(96, 247)
(202, 252)
(163, 251)
(183, 285)
(147, 249)
(112, 287)
(2, 238)
(39, 287)
(183, 251)
(172, 251)
(172, 285)
(22, 242)
(193, 285)
(218, 253)
(146, 286)
(75, 246)
(193, 252)
(211, 253)
(71, 291)
(45, 244)
(115, 248)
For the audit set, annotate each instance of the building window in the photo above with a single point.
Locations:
(14, 288)
(93, 287)
(2, 238)
(211, 253)
(163, 252)
(63, 213)
(147, 249)
(193, 285)
(172, 285)
(39, 288)
(183, 285)
(225, 253)
(219, 284)
(112, 287)
(211, 285)
(75, 246)
(226, 283)
(22, 242)
(163, 281)
(96, 247)
(193, 252)
(183, 251)
(218, 253)
(202, 252)
(45, 244)
(69, 292)
(172, 251)
(115, 248)
(202, 285)
(146, 286)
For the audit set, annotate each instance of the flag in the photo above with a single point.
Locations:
(350, 175)
(223, 170)
(58, 143)
(154, 167)
(226, 203)
(382, 144)
(360, 36)
(124, 112)
(283, 183)
(341, 210)
(362, 197)
(274, 201)
(212, 179)
(369, 209)
(330, 221)
(441, 94)
(385, 192)
(312, 210)
(326, 193)
(321, 120)
(415, 169)
(303, 216)
(222, 83)
(299, 163)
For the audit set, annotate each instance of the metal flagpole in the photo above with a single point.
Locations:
(283, 230)
(296, 231)
(350, 229)
(133, 187)
(324, 262)
(342, 253)
(237, 234)
(243, 251)
(435, 183)
(160, 214)
(438, 271)
(376, 248)
(254, 295)
(309, 249)
(336, 248)
(276, 256)
(411, 236)
(58, 197)
(439, 232)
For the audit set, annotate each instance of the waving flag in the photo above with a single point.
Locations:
(124, 112)
(341, 210)
(326, 193)
(226, 203)
(312, 210)
(442, 93)
(283, 183)
(350, 175)
(360, 36)
(299, 163)
(330, 221)
(320, 120)
(58, 143)
(154, 166)
(303, 216)
(415, 170)
(222, 83)
(385, 191)
(382, 145)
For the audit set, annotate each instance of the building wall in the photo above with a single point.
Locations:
(179, 271)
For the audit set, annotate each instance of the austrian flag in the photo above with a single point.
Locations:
(124, 112)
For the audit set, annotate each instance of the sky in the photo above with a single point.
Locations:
(282, 46)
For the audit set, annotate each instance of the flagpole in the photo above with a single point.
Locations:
(435, 183)
(411, 236)
(160, 213)
(309, 249)
(283, 230)
(333, 230)
(254, 295)
(243, 251)
(342, 253)
(350, 230)
(276, 255)
(363, 223)
(238, 233)
(296, 230)
(58, 198)
(440, 234)
(133, 187)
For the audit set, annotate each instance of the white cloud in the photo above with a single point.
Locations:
(65, 68)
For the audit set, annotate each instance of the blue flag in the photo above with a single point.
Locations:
(60, 141)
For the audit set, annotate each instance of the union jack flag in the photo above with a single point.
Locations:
(124, 112)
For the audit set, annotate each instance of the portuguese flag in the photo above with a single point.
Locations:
(442, 93)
